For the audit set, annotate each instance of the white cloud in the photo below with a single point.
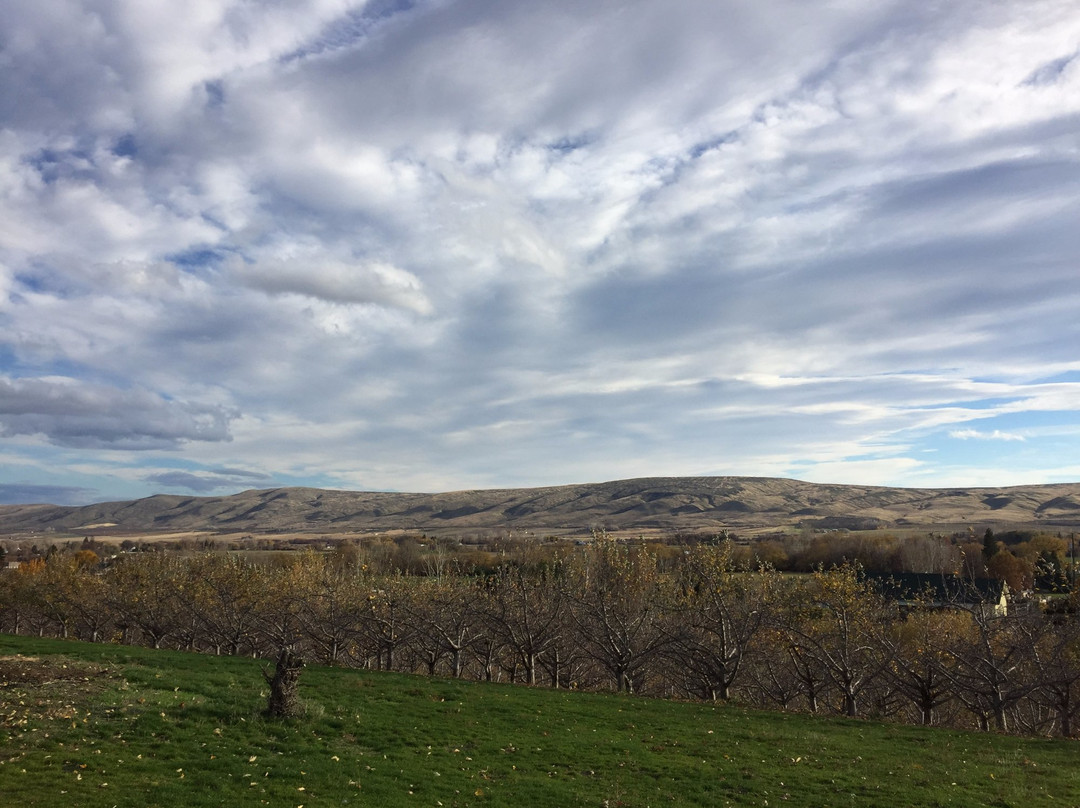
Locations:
(336, 282)
(974, 434)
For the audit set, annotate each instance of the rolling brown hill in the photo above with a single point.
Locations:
(647, 504)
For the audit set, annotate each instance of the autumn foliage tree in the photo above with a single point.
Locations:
(834, 627)
(616, 598)
(918, 649)
(718, 611)
(527, 612)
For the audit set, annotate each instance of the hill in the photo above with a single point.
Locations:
(646, 504)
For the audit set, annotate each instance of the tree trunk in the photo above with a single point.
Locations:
(1001, 723)
(926, 708)
(284, 701)
(850, 706)
(530, 669)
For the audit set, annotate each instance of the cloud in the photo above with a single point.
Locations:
(974, 434)
(1051, 71)
(26, 493)
(76, 414)
(443, 244)
(242, 474)
(200, 483)
(337, 282)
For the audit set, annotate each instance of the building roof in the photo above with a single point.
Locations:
(937, 587)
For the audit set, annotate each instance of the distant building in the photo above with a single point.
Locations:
(927, 590)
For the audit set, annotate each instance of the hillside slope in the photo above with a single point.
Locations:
(668, 503)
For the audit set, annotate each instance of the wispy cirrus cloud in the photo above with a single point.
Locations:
(975, 434)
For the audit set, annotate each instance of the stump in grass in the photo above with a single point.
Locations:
(283, 701)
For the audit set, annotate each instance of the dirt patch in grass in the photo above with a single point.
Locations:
(33, 688)
(23, 671)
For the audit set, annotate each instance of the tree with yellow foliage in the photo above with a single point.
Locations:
(719, 610)
(616, 600)
(834, 621)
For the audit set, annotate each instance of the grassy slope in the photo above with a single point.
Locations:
(167, 729)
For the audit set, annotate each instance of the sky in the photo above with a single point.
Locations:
(432, 245)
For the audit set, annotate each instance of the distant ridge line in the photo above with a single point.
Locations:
(645, 504)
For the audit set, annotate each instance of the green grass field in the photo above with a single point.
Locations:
(104, 725)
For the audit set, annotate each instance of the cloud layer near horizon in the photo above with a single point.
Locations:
(465, 243)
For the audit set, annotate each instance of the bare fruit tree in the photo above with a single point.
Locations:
(284, 698)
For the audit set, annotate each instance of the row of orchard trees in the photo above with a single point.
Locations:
(607, 616)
